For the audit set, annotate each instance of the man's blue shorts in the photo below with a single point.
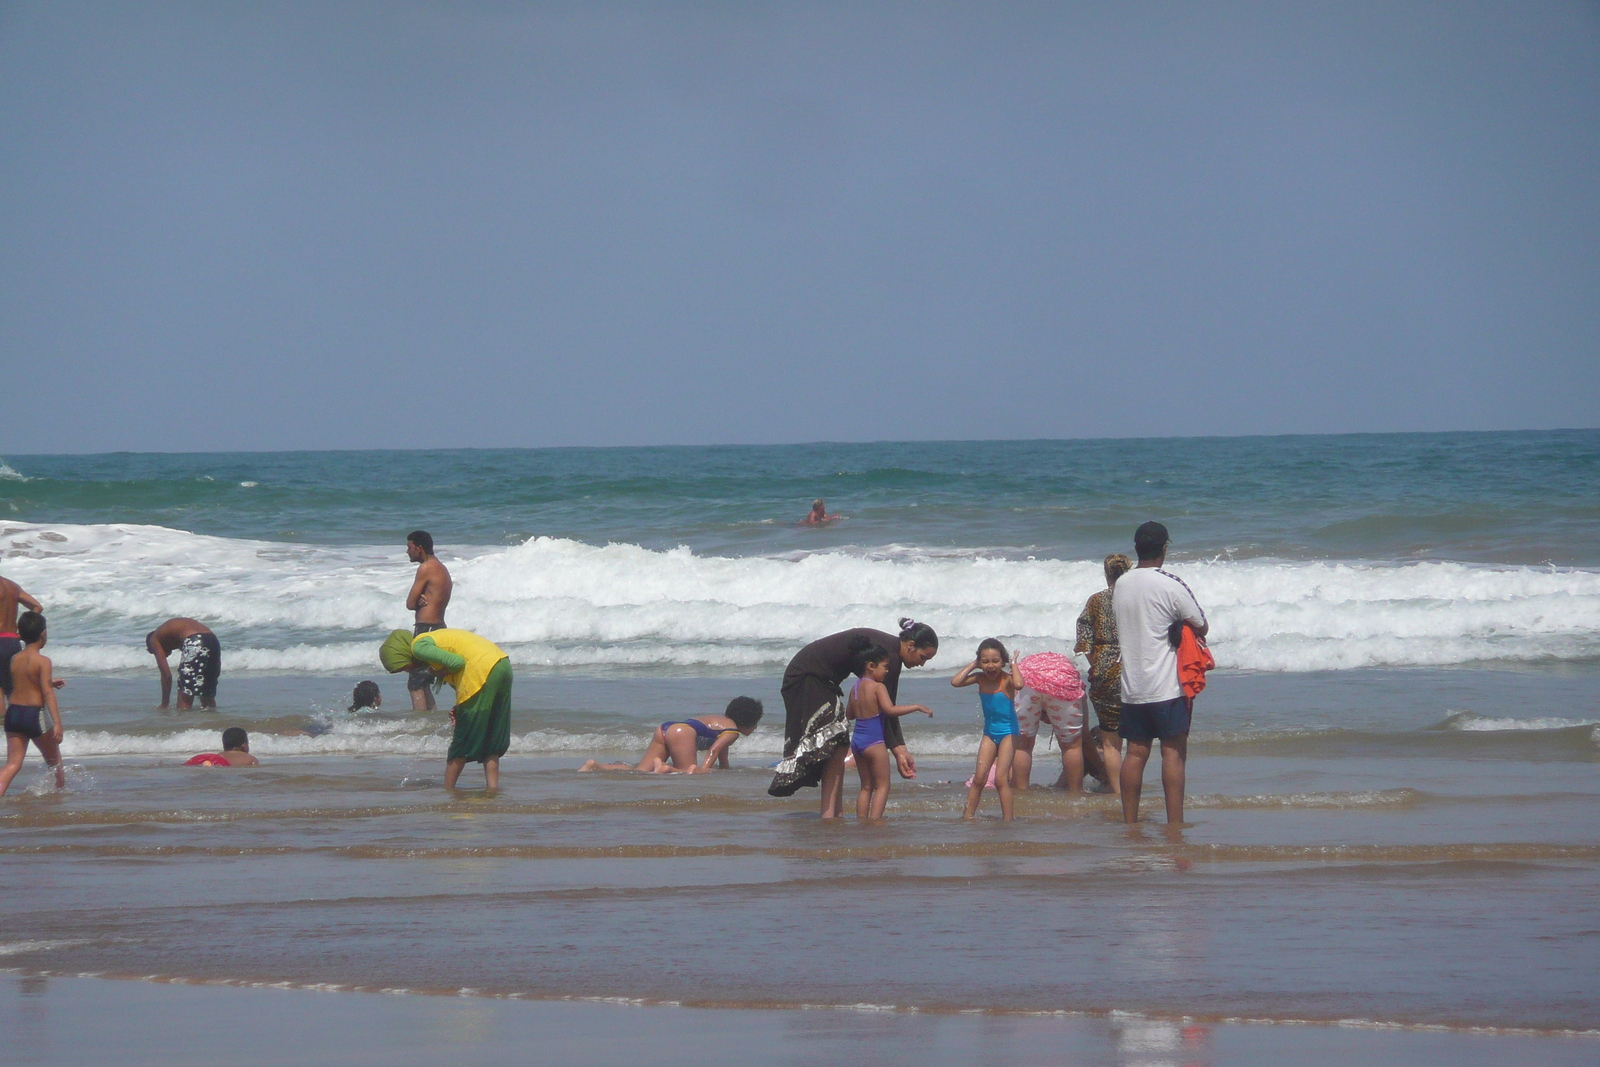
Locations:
(1165, 719)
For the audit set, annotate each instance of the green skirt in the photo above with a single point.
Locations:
(483, 724)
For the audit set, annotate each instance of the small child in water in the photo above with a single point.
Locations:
(676, 744)
(869, 703)
(235, 751)
(366, 695)
(997, 693)
(32, 714)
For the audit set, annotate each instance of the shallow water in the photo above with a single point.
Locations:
(170, 1025)
(1432, 861)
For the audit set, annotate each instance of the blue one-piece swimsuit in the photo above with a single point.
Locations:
(866, 732)
(999, 715)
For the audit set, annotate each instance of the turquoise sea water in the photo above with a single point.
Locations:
(1481, 497)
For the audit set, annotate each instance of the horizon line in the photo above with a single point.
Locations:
(803, 444)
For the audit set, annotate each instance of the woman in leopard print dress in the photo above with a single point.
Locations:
(1097, 638)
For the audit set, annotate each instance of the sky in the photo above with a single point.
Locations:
(283, 225)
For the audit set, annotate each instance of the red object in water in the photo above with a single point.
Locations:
(208, 759)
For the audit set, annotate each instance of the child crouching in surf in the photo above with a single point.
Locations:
(997, 692)
(869, 703)
(675, 745)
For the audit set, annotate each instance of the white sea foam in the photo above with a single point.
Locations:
(562, 603)
(1482, 723)
(80, 743)
(9, 475)
(407, 738)
(21, 948)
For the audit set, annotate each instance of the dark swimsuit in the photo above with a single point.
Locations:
(422, 677)
(705, 736)
(10, 645)
(29, 720)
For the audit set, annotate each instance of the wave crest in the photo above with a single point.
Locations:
(562, 603)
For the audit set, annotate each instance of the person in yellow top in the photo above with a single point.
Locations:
(481, 675)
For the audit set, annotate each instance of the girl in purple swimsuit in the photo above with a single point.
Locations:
(693, 744)
(869, 703)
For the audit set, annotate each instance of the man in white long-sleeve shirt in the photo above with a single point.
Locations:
(1151, 606)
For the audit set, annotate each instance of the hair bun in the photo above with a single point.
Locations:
(907, 623)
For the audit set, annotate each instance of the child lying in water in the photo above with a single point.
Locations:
(676, 744)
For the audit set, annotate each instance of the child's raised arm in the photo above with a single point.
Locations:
(967, 675)
(1017, 684)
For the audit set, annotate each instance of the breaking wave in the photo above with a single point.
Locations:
(563, 603)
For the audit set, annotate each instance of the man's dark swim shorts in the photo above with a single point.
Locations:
(1165, 719)
(201, 667)
(10, 645)
(422, 678)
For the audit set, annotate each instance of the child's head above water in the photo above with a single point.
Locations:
(997, 656)
(234, 739)
(745, 712)
(366, 695)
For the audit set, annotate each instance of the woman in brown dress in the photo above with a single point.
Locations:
(1097, 638)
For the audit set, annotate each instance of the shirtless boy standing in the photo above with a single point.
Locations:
(11, 595)
(429, 596)
(32, 714)
(201, 665)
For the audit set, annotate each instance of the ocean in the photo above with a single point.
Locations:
(1394, 773)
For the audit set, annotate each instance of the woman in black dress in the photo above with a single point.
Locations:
(816, 732)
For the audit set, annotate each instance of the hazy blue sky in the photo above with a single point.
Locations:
(479, 224)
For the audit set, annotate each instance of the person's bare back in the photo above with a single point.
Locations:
(171, 634)
(32, 681)
(11, 594)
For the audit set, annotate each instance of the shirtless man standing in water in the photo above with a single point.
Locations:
(11, 595)
(201, 665)
(429, 596)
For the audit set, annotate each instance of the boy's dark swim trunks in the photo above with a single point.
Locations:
(29, 720)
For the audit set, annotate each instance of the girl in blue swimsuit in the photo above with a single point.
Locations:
(869, 704)
(997, 694)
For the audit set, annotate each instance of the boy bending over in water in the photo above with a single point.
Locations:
(32, 714)
(676, 744)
